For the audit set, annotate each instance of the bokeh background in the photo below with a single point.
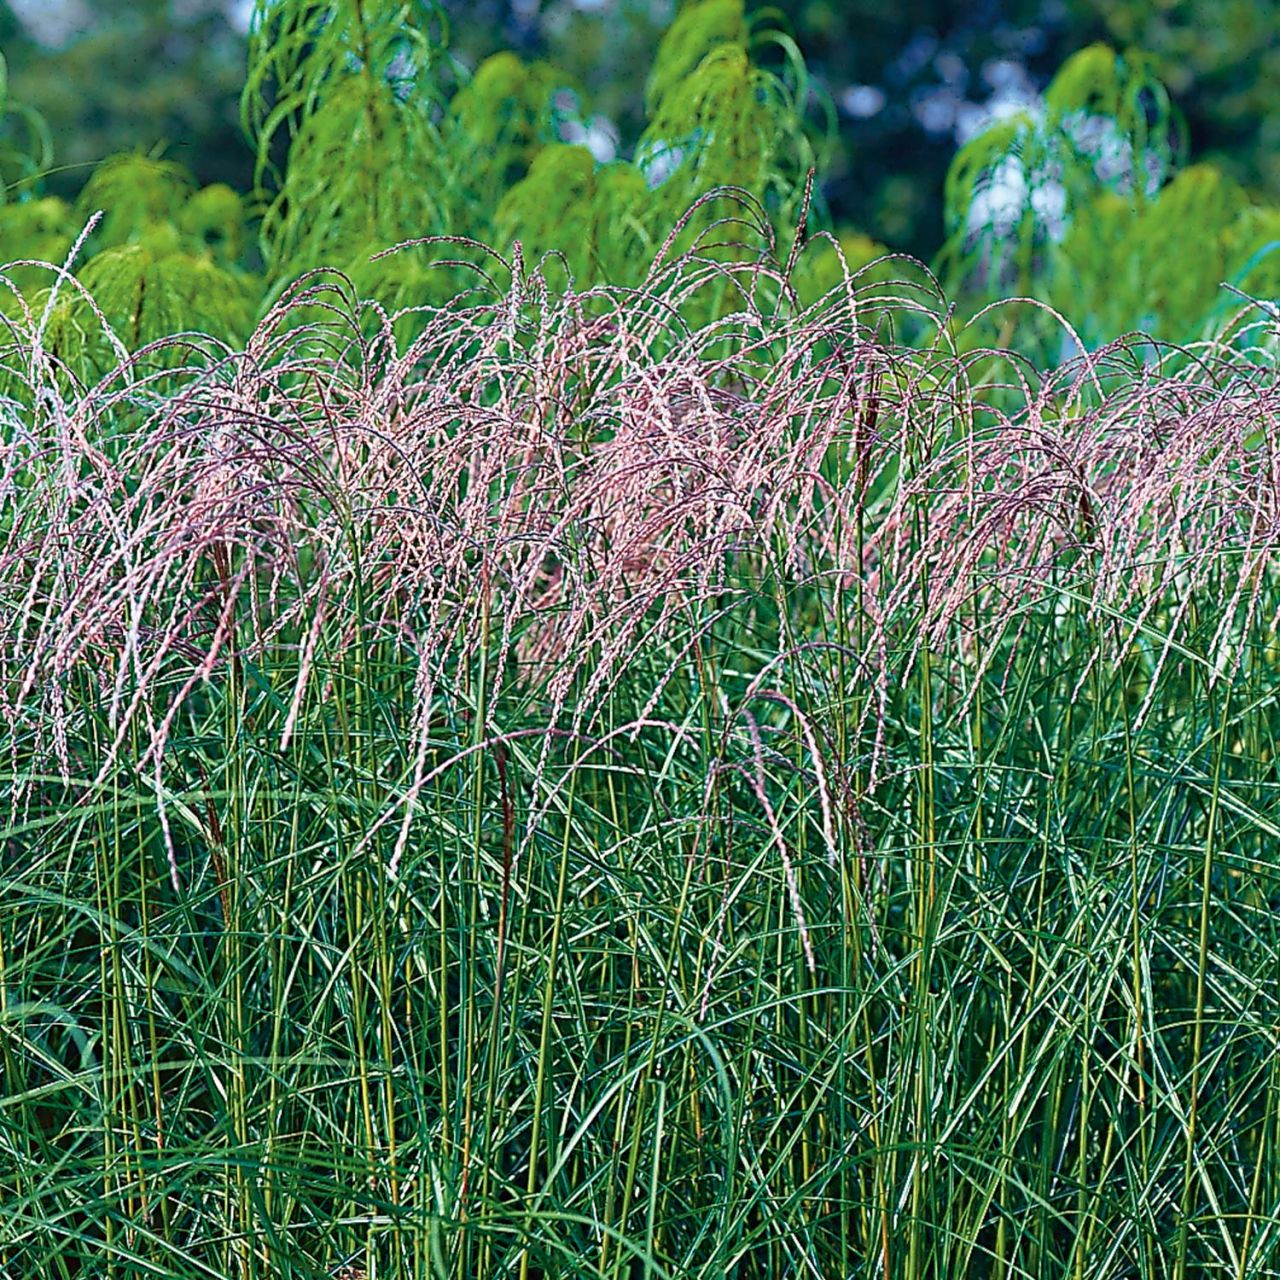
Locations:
(905, 83)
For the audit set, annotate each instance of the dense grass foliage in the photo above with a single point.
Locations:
(576, 793)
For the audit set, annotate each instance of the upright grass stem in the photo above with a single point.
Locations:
(1222, 723)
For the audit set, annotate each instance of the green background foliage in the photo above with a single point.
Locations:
(368, 125)
(360, 126)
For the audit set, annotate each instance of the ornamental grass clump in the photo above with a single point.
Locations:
(573, 787)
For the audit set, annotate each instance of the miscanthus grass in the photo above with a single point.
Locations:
(534, 789)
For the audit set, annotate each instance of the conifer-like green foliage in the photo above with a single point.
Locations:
(725, 123)
(1087, 207)
(41, 229)
(138, 195)
(148, 291)
(352, 98)
(550, 210)
(1107, 128)
(215, 217)
(716, 120)
(621, 234)
(500, 120)
(699, 27)
(357, 94)
(350, 86)
(1162, 266)
(165, 258)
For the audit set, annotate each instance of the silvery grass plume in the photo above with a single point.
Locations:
(583, 483)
